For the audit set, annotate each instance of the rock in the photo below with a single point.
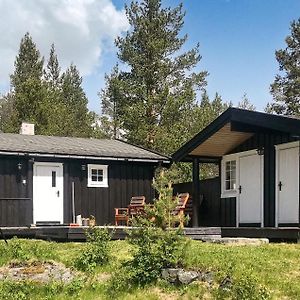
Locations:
(239, 241)
(181, 276)
(171, 274)
(226, 284)
(186, 277)
(38, 271)
(207, 277)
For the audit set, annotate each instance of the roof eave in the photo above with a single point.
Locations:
(87, 157)
(208, 131)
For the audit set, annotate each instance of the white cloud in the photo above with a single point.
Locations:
(80, 29)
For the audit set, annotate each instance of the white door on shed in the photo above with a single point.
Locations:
(48, 192)
(250, 189)
(288, 185)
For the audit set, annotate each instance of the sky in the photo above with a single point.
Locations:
(238, 39)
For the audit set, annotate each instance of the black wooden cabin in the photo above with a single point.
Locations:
(258, 159)
(52, 179)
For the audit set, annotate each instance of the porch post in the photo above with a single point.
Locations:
(196, 192)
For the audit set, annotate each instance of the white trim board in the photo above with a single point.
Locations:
(235, 194)
(278, 148)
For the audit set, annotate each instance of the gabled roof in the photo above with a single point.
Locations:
(75, 147)
(231, 129)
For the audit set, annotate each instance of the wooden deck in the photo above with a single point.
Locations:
(272, 233)
(67, 233)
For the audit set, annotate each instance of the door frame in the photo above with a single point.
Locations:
(279, 147)
(235, 194)
(238, 197)
(48, 164)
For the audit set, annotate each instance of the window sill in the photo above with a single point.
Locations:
(229, 194)
(97, 185)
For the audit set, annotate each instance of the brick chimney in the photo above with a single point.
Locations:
(27, 128)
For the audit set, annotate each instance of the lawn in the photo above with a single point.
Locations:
(276, 267)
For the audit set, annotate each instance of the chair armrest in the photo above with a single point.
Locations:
(121, 211)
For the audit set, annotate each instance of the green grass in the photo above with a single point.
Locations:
(274, 266)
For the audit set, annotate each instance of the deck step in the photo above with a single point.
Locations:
(203, 231)
(204, 238)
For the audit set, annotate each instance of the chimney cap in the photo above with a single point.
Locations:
(27, 128)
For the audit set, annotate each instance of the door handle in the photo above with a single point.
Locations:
(57, 193)
(240, 189)
(280, 185)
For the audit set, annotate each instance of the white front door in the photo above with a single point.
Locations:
(48, 192)
(250, 189)
(288, 186)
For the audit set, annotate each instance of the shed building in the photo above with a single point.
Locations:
(258, 159)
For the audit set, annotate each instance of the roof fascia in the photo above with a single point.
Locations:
(69, 156)
(267, 121)
(163, 156)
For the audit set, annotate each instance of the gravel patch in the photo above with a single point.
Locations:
(37, 271)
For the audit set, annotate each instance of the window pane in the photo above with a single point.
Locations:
(94, 177)
(94, 171)
(227, 185)
(233, 185)
(227, 165)
(227, 175)
(232, 174)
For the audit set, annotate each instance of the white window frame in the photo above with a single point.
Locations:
(229, 193)
(103, 183)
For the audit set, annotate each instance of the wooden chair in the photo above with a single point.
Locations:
(181, 206)
(136, 206)
(121, 214)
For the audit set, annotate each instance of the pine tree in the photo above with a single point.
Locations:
(245, 103)
(7, 113)
(158, 92)
(28, 63)
(286, 86)
(111, 99)
(27, 87)
(79, 122)
(52, 71)
(56, 104)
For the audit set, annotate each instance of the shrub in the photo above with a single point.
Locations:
(74, 287)
(248, 288)
(244, 287)
(96, 252)
(157, 244)
(24, 250)
(156, 249)
(10, 290)
(18, 249)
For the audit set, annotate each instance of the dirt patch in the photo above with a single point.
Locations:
(37, 271)
(103, 277)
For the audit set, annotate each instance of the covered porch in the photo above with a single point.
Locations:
(246, 193)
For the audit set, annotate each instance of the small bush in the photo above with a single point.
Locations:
(73, 288)
(51, 289)
(24, 250)
(157, 244)
(244, 287)
(18, 249)
(96, 252)
(248, 288)
(156, 249)
(10, 290)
